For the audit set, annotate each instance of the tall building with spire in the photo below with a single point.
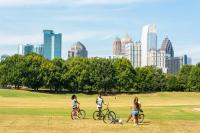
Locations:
(149, 45)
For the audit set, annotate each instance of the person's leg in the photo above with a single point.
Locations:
(130, 116)
(135, 114)
(74, 112)
(136, 119)
(100, 113)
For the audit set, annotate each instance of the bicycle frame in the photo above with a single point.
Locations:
(106, 110)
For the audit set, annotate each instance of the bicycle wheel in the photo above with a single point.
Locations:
(108, 118)
(81, 114)
(113, 114)
(97, 115)
(140, 118)
(73, 116)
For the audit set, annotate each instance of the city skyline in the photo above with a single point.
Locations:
(97, 26)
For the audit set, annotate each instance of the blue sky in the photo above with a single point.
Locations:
(97, 22)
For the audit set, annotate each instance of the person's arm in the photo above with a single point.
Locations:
(77, 102)
(140, 105)
(103, 101)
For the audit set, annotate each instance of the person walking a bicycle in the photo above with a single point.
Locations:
(99, 102)
(100, 112)
(135, 110)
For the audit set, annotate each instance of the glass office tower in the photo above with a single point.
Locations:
(149, 44)
(52, 44)
(25, 49)
(57, 45)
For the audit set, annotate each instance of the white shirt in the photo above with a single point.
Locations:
(99, 102)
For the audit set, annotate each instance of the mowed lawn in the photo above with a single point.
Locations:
(31, 112)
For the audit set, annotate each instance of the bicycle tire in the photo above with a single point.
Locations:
(108, 119)
(97, 115)
(72, 115)
(81, 114)
(113, 114)
(140, 118)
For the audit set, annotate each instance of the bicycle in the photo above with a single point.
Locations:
(140, 116)
(78, 113)
(100, 114)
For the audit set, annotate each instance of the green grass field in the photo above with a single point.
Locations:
(31, 112)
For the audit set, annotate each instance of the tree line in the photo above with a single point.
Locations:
(93, 75)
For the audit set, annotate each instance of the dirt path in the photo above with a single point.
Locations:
(197, 109)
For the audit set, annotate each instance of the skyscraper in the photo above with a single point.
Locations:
(125, 40)
(25, 49)
(129, 52)
(189, 61)
(57, 45)
(167, 47)
(77, 50)
(52, 44)
(166, 60)
(117, 47)
(165, 55)
(39, 49)
(149, 44)
(137, 54)
(48, 34)
(133, 53)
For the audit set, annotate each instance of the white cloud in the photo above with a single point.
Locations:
(68, 2)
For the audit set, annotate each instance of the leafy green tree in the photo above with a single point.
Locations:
(3, 74)
(183, 77)
(32, 71)
(149, 79)
(194, 78)
(53, 74)
(102, 74)
(11, 71)
(171, 83)
(124, 74)
(72, 76)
